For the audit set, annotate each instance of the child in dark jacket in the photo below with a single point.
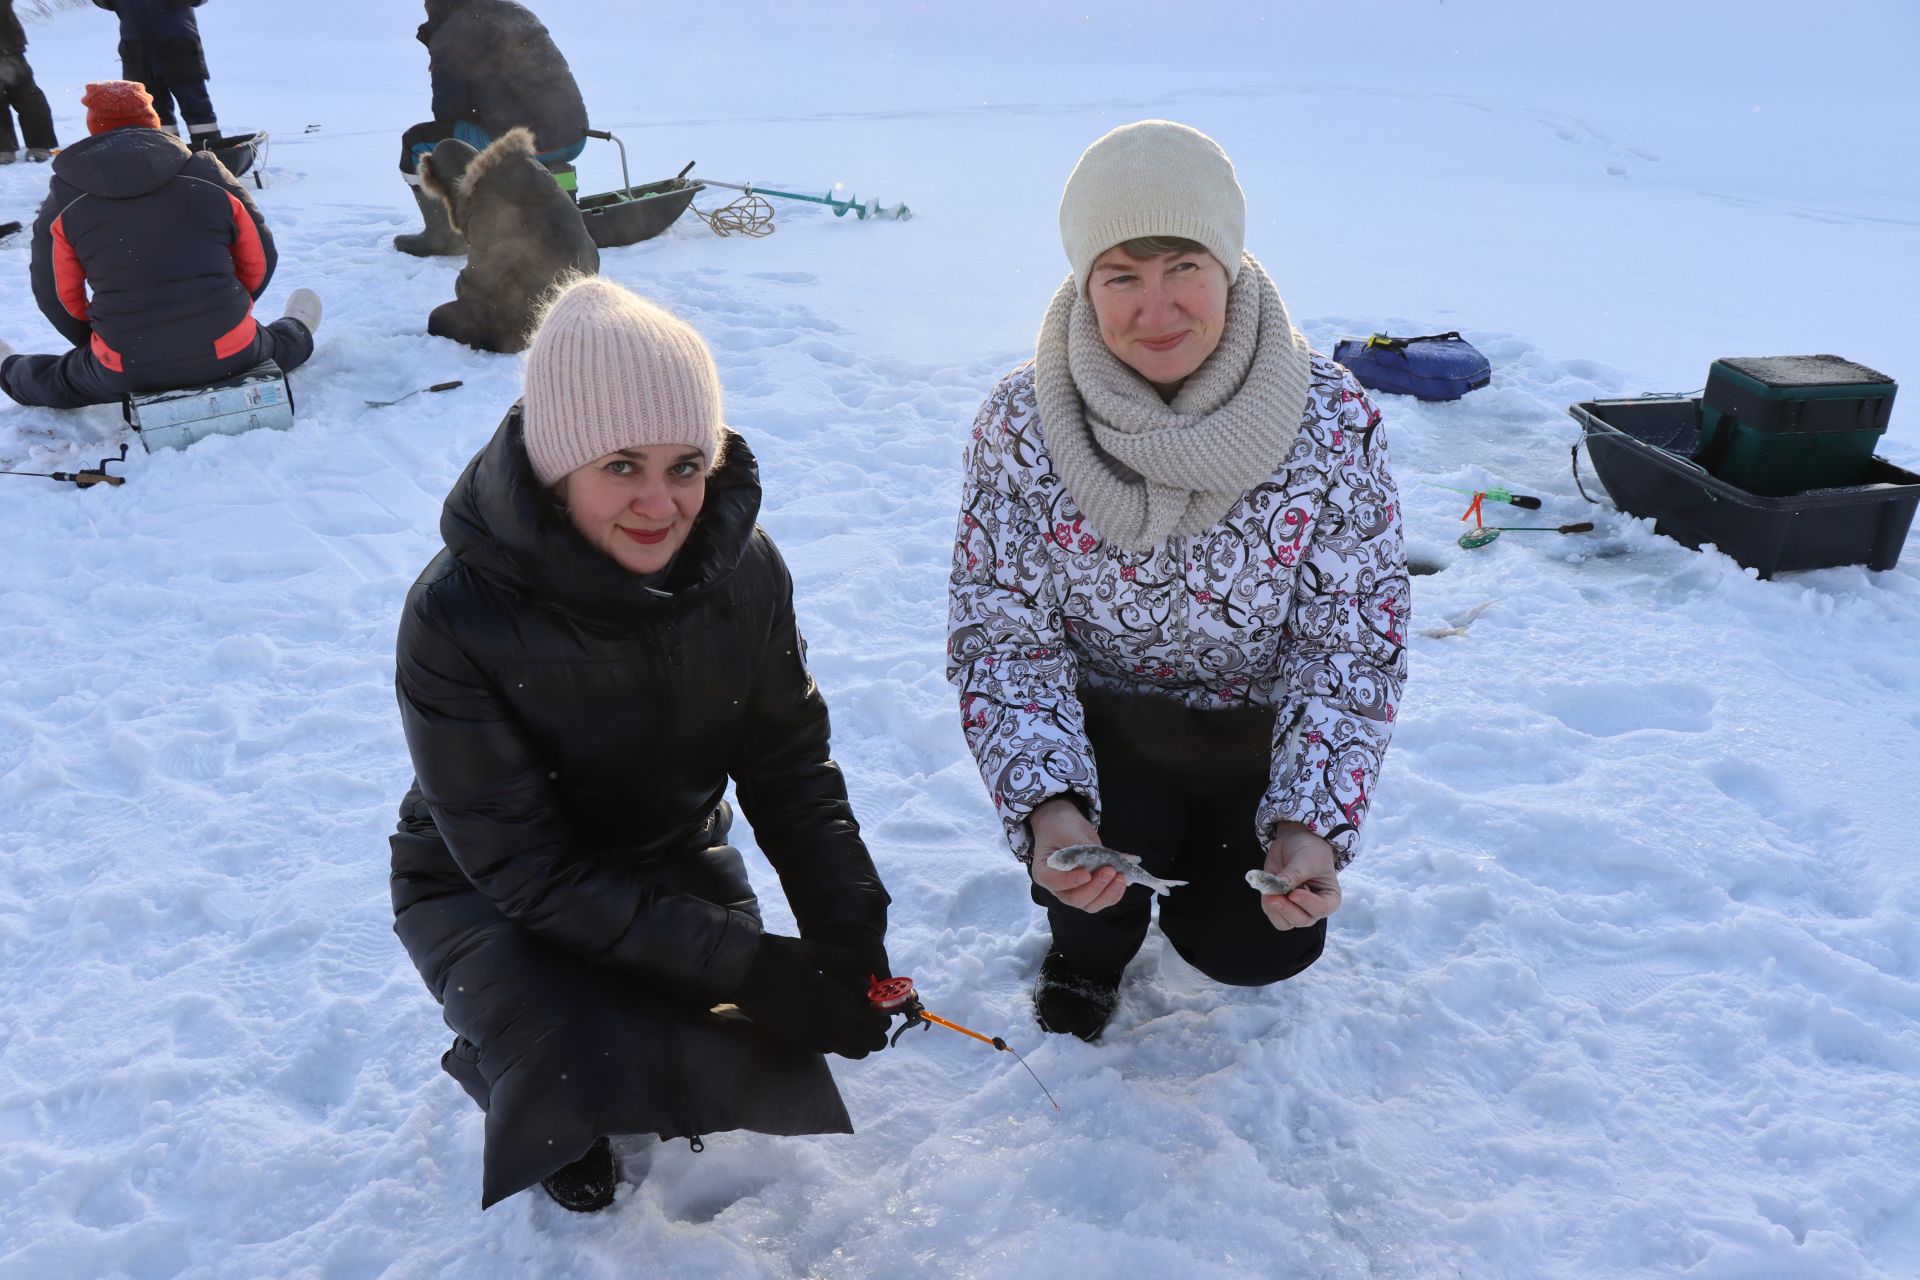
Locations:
(148, 257)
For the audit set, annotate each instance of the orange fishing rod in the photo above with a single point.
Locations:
(897, 995)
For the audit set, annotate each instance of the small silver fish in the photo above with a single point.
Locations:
(1458, 626)
(1076, 856)
(1267, 882)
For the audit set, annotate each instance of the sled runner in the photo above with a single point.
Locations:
(260, 397)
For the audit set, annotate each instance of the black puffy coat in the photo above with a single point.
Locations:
(559, 877)
(159, 39)
(170, 244)
(493, 63)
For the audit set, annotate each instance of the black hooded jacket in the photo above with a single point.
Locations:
(573, 730)
(170, 246)
(493, 63)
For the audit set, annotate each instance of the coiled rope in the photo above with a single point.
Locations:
(748, 216)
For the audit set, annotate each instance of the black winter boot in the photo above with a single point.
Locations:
(586, 1185)
(1069, 1002)
(439, 239)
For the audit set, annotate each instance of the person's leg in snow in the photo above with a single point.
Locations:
(69, 381)
(586, 1185)
(196, 109)
(438, 238)
(1179, 789)
(77, 378)
(19, 94)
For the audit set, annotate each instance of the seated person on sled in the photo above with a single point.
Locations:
(172, 251)
(494, 69)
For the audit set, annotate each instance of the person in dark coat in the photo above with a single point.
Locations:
(605, 640)
(160, 48)
(494, 69)
(19, 94)
(148, 258)
(524, 234)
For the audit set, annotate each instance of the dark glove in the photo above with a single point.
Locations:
(853, 955)
(787, 993)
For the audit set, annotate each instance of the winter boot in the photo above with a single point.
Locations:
(586, 1185)
(439, 238)
(1069, 1002)
(39, 155)
(304, 305)
(8, 157)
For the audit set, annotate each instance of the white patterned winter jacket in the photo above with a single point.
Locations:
(1296, 599)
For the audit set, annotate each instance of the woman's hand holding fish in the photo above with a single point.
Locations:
(1058, 824)
(1305, 859)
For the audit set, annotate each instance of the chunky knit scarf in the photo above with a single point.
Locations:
(1144, 470)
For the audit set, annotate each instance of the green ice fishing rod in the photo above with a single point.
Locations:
(1494, 495)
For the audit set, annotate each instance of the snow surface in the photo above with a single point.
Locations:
(1627, 980)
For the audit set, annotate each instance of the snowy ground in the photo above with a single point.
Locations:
(1627, 979)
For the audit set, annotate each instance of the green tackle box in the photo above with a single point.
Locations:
(1779, 425)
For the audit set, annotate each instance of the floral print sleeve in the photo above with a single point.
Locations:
(1007, 648)
(1344, 660)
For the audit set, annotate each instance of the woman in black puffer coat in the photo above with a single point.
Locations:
(606, 640)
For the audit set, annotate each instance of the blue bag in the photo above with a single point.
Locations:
(1436, 366)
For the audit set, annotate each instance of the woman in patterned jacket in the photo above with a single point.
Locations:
(1179, 598)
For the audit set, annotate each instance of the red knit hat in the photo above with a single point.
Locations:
(118, 104)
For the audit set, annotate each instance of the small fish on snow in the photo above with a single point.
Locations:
(1267, 882)
(1091, 856)
(1458, 626)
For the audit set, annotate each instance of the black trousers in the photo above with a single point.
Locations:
(19, 94)
(1180, 788)
(422, 138)
(196, 104)
(78, 378)
(173, 70)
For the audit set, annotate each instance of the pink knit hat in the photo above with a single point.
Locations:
(609, 370)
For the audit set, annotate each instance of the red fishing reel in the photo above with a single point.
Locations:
(896, 995)
(890, 995)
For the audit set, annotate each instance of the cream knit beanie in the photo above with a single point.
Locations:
(609, 370)
(1152, 178)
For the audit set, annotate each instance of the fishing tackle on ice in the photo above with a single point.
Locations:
(897, 995)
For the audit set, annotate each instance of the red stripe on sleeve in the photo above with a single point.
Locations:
(249, 259)
(69, 277)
